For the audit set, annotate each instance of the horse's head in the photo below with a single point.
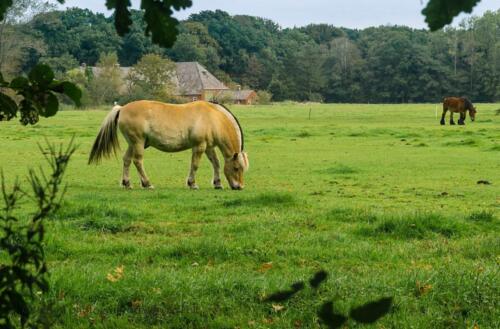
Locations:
(472, 113)
(234, 167)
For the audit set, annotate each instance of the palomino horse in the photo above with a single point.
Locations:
(200, 126)
(460, 105)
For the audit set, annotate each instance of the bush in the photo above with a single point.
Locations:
(153, 75)
(223, 98)
(264, 97)
(315, 98)
(23, 271)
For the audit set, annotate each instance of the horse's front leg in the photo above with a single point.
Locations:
(461, 121)
(138, 158)
(212, 156)
(195, 163)
(443, 116)
(451, 118)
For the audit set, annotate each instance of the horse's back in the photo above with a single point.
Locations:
(169, 127)
(454, 104)
(158, 112)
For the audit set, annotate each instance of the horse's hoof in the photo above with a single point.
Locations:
(217, 184)
(147, 186)
(452, 123)
(192, 185)
(126, 185)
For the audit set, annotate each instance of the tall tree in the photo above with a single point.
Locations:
(16, 41)
(106, 83)
(153, 75)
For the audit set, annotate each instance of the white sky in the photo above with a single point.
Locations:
(289, 13)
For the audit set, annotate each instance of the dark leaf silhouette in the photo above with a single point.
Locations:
(371, 312)
(318, 278)
(37, 95)
(282, 296)
(439, 13)
(331, 319)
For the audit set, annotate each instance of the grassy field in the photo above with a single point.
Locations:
(380, 196)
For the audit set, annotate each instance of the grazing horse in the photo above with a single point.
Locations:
(460, 105)
(200, 126)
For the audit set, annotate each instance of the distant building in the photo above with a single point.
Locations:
(194, 82)
(243, 97)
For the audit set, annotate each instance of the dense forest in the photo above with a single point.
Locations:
(319, 62)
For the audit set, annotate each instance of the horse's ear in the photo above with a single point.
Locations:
(235, 156)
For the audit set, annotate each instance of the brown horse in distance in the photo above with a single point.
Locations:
(458, 105)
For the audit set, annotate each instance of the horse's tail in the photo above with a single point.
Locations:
(106, 141)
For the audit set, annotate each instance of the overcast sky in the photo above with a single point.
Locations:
(289, 13)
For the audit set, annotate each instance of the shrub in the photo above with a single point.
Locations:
(264, 97)
(315, 98)
(23, 270)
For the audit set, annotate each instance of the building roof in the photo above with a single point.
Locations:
(192, 79)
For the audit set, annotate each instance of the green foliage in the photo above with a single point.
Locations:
(60, 64)
(264, 97)
(159, 20)
(77, 32)
(107, 84)
(38, 95)
(135, 43)
(384, 64)
(23, 271)
(4, 5)
(153, 76)
(439, 13)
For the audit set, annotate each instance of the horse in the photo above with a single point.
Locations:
(460, 105)
(200, 126)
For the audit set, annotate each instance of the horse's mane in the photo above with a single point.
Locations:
(237, 122)
(468, 104)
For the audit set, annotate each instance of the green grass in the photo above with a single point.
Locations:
(380, 196)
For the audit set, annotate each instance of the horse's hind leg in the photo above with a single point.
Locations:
(138, 158)
(195, 163)
(451, 118)
(127, 160)
(212, 156)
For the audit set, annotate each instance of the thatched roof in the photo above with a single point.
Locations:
(190, 78)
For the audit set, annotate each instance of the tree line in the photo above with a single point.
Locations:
(319, 62)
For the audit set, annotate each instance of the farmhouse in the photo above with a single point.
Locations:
(194, 82)
(239, 96)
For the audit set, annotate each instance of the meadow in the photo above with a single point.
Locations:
(381, 197)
